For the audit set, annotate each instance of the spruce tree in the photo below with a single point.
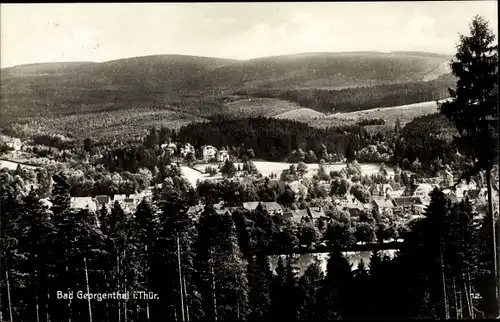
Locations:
(221, 280)
(34, 244)
(309, 292)
(173, 267)
(260, 282)
(473, 110)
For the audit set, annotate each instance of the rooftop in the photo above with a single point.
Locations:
(405, 201)
(383, 203)
(316, 212)
(83, 203)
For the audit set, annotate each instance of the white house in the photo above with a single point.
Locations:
(463, 187)
(185, 149)
(15, 144)
(222, 156)
(447, 178)
(209, 152)
(83, 203)
(423, 190)
(171, 147)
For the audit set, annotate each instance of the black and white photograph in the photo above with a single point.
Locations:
(249, 161)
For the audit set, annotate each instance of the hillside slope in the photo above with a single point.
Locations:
(201, 87)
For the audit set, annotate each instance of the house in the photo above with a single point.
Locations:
(251, 205)
(477, 195)
(463, 186)
(233, 205)
(127, 202)
(316, 213)
(421, 190)
(297, 188)
(15, 144)
(83, 203)
(273, 208)
(381, 190)
(353, 208)
(446, 178)
(209, 152)
(382, 205)
(170, 147)
(102, 200)
(195, 211)
(450, 195)
(407, 204)
(186, 148)
(295, 216)
(222, 156)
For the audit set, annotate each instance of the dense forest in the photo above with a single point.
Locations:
(271, 139)
(427, 142)
(361, 98)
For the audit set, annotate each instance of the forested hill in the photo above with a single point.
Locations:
(125, 97)
(159, 80)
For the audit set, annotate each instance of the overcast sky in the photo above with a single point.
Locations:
(32, 33)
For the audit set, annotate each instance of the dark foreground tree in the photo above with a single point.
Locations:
(473, 109)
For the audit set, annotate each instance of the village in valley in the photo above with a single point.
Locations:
(385, 192)
(322, 172)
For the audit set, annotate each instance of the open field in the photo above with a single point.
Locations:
(255, 107)
(405, 114)
(266, 168)
(13, 165)
(106, 125)
(300, 114)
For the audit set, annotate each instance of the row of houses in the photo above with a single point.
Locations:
(127, 202)
(208, 152)
(273, 208)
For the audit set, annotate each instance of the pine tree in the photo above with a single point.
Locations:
(259, 280)
(37, 231)
(309, 290)
(9, 215)
(173, 269)
(397, 127)
(285, 302)
(60, 199)
(62, 268)
(146, 224)
(361, 285)
(116, 229)
(222, 280)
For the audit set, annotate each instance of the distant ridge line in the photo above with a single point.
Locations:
(304, 54)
